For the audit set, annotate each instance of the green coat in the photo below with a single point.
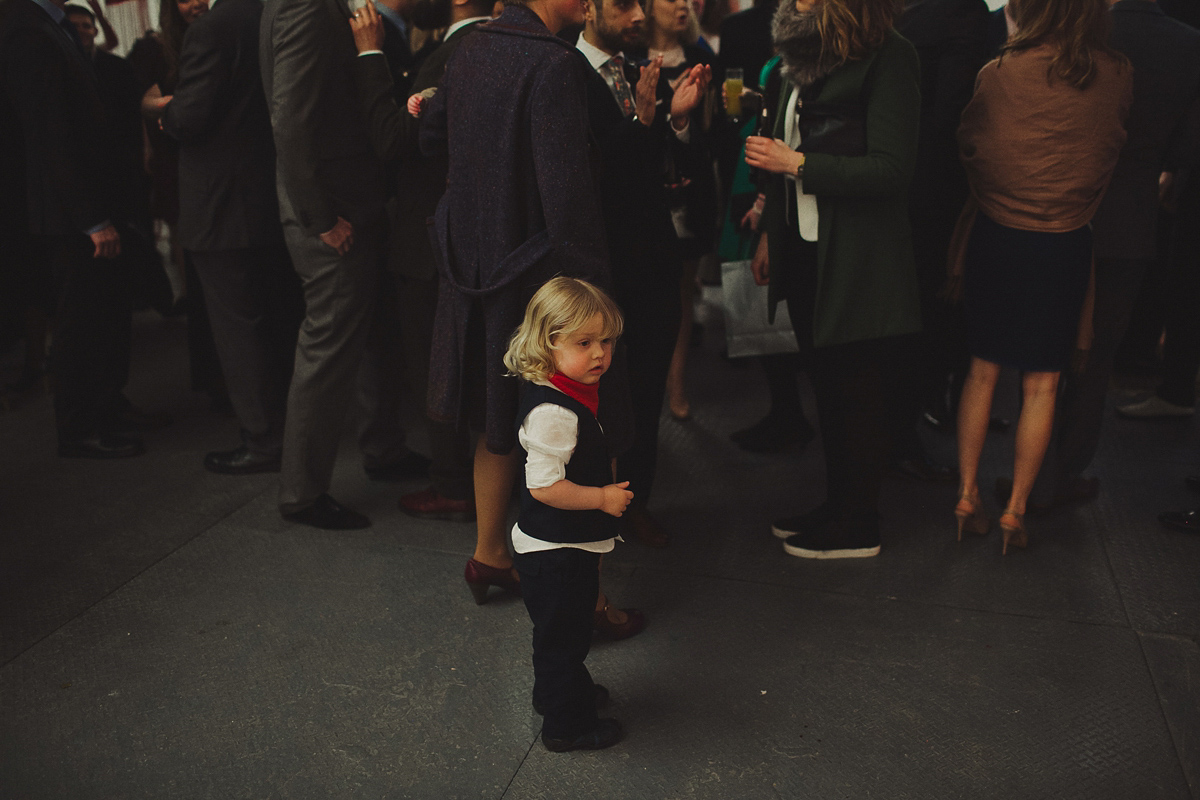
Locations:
(866, 276)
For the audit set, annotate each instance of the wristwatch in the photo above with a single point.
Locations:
(800, 167)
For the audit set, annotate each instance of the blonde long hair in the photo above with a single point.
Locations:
(561, 307)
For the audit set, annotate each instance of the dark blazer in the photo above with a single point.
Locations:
(325, 161)
(219, 115)
(866, 278)
(952, 44)
(421, 180)
(1163, 125)
(746, 40)
(520, 203)
(643, 249)
(52, 89)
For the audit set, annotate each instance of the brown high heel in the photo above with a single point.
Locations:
(480, 576)
(634, 623)
(1013, 534)
(971, 516)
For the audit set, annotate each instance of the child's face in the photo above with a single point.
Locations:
(584, 355)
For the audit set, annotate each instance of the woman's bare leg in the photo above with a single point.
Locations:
(974, 411)
(676, 390)
(494, 476)
(1036, 423)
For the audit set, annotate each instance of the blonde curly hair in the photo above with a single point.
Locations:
(561, 307)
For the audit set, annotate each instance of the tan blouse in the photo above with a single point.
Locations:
(1039, 152)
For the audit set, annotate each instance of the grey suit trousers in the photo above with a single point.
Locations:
(339, 295)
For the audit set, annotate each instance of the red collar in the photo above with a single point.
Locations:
(586, 393)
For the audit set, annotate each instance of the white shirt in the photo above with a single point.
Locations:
(549, 435)
(806, 204)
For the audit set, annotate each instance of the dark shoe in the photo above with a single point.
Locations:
(601, 701)
(480, 576)
(1192, 482)
(606, 733)
(106, 446)
(430, 504)
(410, 465)
(645, 528)
(634, 624)
(923, 469)
(327, 514)
(834, 540)
(803, 523)
(774, 433)
(240, 462)
(1186, 521)
(134, 420)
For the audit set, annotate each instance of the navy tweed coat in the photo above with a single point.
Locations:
(520, 207)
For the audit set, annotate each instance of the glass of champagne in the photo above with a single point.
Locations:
(733, 92)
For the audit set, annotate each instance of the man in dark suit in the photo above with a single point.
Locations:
(633, 135)
(411, 270)
(1164, 133)
(331, 197)
(51, 87)
(229, 223)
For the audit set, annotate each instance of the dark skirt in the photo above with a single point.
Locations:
(1023, 292)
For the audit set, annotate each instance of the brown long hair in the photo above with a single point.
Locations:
(173, 26)
(1077, 28)
(850, 29)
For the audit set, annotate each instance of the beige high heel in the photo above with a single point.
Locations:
(971, 516)
(1014, 534)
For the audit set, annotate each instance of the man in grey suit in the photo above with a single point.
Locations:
(331, 196)
(1163, 127)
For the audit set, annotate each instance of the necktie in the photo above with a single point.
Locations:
(615, 75)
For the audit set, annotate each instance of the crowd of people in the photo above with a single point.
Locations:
(372, 201)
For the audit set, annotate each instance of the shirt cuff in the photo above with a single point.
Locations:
(684, 135)
(369, 53)
(98, 228)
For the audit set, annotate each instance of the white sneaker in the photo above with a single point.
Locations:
(1154, 407)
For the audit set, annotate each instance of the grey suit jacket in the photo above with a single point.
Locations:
(1162, 125)
(325, 161)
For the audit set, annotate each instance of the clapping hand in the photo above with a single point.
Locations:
(646, 95)
(689, 91)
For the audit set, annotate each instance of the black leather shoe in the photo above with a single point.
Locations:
(606, 733)
(601, 701)
(240, 462)
(1192, 482)
(106, 446)
(327, 514)
(1186, 521)
(409, 465)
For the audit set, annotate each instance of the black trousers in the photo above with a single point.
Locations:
(651, 327)
(851, 383)
(560, 589)
(90, 358)
(255, 307)
(1079, 414)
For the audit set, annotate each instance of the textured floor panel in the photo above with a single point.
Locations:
(740, 692)
(1175, 664)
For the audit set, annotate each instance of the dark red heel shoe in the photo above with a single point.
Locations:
(480, 576)
(633, 625)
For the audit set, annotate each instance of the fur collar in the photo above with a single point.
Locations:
(796, 36)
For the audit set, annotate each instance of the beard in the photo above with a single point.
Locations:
(618, 39)
(798, 39)
(430, 15)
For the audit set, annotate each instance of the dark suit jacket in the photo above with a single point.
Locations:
(951, 41)
(52, 90)
(1163, 125)
(746, 41)
(325, 161)
(642, 246)
(520, 203)
(421, 180)
(219, 116)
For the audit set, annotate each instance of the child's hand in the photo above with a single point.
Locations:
(616, 498)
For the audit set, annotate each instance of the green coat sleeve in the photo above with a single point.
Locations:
(893, 120)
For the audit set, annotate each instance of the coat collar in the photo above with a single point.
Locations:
(517, 20)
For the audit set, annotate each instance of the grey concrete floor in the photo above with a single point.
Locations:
(166, 635)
